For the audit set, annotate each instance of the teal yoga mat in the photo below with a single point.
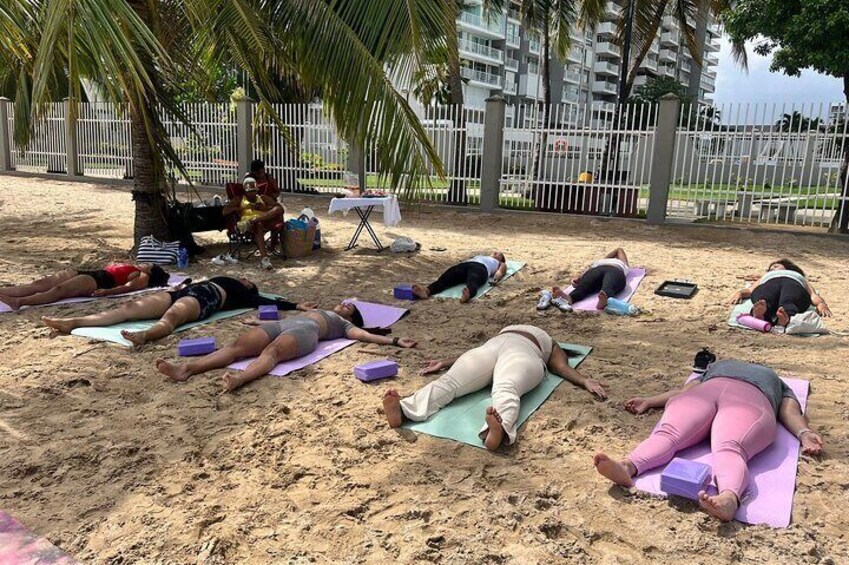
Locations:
(513, 267)
(462, 419)
(113, 333)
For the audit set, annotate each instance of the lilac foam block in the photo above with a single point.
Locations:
(269, 312)
(685, 478)
(198, 346)
(404, 292)
(376, 370)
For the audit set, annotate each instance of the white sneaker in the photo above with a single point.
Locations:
(219, 260)
(230, 259)
(562, 304)
(544, 300)
(265, 264)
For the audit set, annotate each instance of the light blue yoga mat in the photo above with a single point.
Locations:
(513, 267)
(462, 419)
(113, 333)
(745, 307)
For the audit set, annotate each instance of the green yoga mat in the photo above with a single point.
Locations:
(113, 333)
(744, 308)
(462, 419)
(457, 291)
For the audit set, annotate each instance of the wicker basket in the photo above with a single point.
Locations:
(298, 243)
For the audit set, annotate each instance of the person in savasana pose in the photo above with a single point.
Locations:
(473, 274)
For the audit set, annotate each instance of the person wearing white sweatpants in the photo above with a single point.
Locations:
(514, 362)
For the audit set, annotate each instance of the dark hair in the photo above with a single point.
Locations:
(503, 256)
(158, 276)
(257, 165)
(357, 320)
(789, 265)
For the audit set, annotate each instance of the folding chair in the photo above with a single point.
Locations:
(238, 240)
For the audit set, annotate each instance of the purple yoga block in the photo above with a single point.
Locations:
(376, 370)
(198, 346)
(685, 478)
(404, 292)
(269, 312)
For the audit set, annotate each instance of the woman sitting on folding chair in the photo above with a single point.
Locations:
(189, 303)
(258, 214)
(113, 279)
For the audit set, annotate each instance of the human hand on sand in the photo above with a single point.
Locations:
(431, 367)
(823, 310)
(596, 388)
(736, 298)
(811, 443)
(304, 306)
(407, 343)
(100, 292)
(637, 405)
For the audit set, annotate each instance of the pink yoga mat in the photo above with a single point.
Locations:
(174, 280)
(769, 499)
(374, 316)
(19, 546)
(632, 281)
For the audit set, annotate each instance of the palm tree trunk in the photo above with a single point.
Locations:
(148, 191)
(457, 188)
(547, 110)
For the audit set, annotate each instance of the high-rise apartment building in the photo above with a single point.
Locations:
(499, 56)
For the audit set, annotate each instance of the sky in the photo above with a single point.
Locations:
(734, 85)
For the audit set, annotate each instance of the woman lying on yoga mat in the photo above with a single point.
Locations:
(473, 273)
(605, 277)
(284, 340)
(189, 303)
(781, 293)
(514, 363)
(116, 278)
(738, 405)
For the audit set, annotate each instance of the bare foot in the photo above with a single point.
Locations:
(495, 434)
(392, 408)
(782, 317)
(618, 472)
(723, 505)
(558, 292)
(59, 324)
(759, 309)
(466, 296)
(136, 338)
(231, 382)
(602, 300)
(11, 302)
(421, 292)
(178, 372)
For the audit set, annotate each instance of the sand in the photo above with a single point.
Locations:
(114, 465)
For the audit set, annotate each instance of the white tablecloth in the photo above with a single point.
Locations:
(388, 205)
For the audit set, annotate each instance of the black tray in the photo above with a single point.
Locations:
(677, 289)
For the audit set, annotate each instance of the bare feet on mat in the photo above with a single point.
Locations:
(465, 296)
(759, 309)
(136, 338)
(178, 372)
(392, 408)
(617, 471)
(495, 434)
(58, 324)
(421, 292)
(723, 505)
(602, 300)
(782, 317)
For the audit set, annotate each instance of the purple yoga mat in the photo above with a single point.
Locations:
(632, 281)
(174, 280)
(374, 316)
(769, 498)
(19, 546)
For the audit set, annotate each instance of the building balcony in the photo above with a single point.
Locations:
(491, 28)
(608, 69)
(510, 87)
(649, 65)
(483, 78)
(640, 80)
(606, 28)
(513, 40)
(569, 97)
(670, 39)
(666, 70)
(670, 22)
(604, 87)
(608, 49)
(711, 60)
(612, 10)
(534, 46)
(529, 86)
(604, 107)
(686, 66)
(712, 46)
(576, 55)
(709, 73)
(573, 77)
(473, 50)
(511, 64)
(667, 55)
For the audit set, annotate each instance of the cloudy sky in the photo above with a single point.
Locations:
(760, 85)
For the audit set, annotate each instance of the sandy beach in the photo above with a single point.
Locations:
(114, 465)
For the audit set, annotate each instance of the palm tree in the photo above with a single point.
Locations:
(795, 121)
(136, 51)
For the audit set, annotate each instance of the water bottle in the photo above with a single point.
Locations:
(621, 308)
(182, 258)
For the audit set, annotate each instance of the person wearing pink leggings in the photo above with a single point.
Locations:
(739, 406)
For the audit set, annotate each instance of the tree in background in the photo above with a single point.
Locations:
(691, 114)
(800, 35)
(797, 122)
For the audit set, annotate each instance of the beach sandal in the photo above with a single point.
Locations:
(561, 304)
(544, 300)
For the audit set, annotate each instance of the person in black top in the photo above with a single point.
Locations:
(191, 302)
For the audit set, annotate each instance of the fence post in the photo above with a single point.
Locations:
(662, 159)
(72, 155)
(244, 136)
(493, 152)
(5, 149)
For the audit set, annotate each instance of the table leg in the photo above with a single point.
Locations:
(370, 230)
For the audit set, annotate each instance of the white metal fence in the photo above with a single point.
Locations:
(103, 141)
(207, 149)
(761, 163)
(46, 151)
